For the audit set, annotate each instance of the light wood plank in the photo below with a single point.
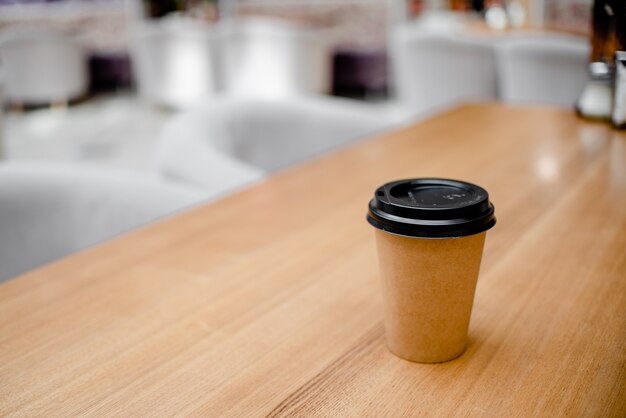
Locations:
(267, 302)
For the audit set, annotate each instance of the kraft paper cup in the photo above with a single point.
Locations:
(430, 235)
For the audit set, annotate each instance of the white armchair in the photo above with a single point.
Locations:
(435, 69)
(176, 61)
(274, 58)
(543, 69)
(230, 142)
(42, 66)
(48, 211)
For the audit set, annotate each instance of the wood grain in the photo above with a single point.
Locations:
(266, 303)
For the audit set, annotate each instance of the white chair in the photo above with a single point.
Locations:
(274, 58)
(543, 69)
(176, 61)
(433, 70)
(48, 211)
(234, 141)
(42, 67)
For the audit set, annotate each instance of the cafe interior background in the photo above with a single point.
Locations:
(119, 112)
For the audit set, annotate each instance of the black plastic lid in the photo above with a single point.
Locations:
(431, 208)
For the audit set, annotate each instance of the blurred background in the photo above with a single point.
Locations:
(116, 112)
(124, 66)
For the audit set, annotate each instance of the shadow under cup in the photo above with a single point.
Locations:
(430, 235)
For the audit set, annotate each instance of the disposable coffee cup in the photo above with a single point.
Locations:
(430, 235)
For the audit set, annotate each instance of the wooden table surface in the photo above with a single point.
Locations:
(267, 302)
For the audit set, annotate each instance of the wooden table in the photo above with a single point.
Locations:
(267, 302)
